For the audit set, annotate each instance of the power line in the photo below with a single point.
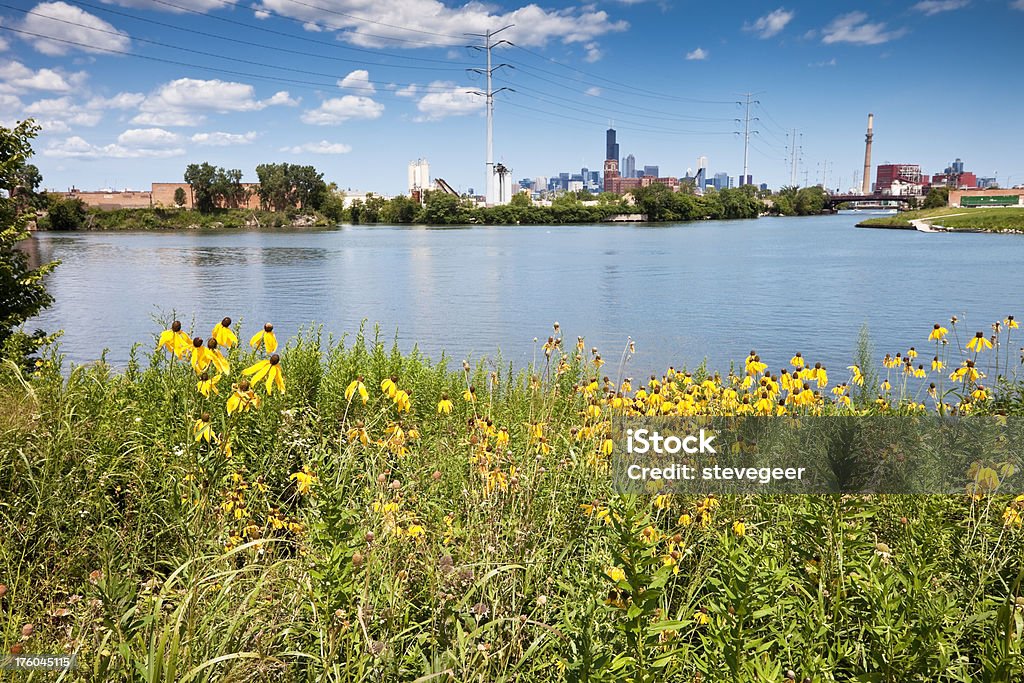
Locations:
(487, 47)
(234, 59)
(746, 134)
(163, 60)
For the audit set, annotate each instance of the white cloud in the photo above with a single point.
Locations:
(3, 41)
(1017, 4)
(185, 101)
(450, 100)
(698, 54)
(772, 23)
(67, 22)
(219, 139)
(57, 115)
(534, 26)
(830, 62)
(411, 89)
(131, 144)
(312, 27)
(593, 52)
(854, 28)
(358, 80)
(322, 147)
(201, 5)
(122, 100)
(931, 7)
(148, 138)
(340, 109)
(16, 77)
(592, 91)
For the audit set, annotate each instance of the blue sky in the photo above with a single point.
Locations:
(130, 91)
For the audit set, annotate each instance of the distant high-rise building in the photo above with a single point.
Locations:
(721, 181)
(955, 168)
(651, 171)
(744, 180)
(629, 166)
(702, 172)
(985, 183)
(611, 148)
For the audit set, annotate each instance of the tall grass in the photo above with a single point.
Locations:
(123, 542)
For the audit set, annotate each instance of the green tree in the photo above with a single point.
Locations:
(179, 197)
(937, 198)
(400, 209)
(443, 209)
(22, 290)
(202, 180)
(521, 200)
(67, 214)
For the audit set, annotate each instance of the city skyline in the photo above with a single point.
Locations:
(129, 92)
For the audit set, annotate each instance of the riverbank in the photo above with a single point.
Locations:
(950, 219)
(180, 219)
(389, 519)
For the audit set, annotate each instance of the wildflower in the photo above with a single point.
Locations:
(701, 617)
(938, 332)
(685, 520)
(266, 338)
(1012, 517)
(858, 376)
(979, 343)
(242, 398)
(912, 353)
(739, 528)
(797, 361)
(937, 365)
(415, 531)
(389, 386)
(469, 394)
(445, 405)
(979, 394)
(357, 385)
(403, 400)
(199, 358)
(207, 385)
(203, 429)
(615, 574)
(1010, 323)
(304, 480)
(271, 370)
(607, 446)
(215, 357)
(174, 340)
(223, 333)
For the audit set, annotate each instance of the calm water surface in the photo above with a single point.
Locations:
(684, 292)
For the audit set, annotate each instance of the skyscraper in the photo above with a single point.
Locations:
(611, 148)
(629, 166)
(651, 171)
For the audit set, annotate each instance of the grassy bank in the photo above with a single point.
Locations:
(179, 219)
(390, 519)
(989, 220)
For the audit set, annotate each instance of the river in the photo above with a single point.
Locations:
(686, 292)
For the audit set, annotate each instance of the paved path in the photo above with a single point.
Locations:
(925, 225)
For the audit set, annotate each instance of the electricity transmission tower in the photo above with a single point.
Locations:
(747, 133)
(489, 94)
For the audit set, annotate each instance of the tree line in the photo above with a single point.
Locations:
(282, 187)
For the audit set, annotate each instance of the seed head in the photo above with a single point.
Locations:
(226, 322)
(176, 326)
(268, 327)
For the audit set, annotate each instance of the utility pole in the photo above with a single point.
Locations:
(746, 133)
(794, 151)
(489, 94)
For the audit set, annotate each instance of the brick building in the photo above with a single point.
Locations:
(160, 195)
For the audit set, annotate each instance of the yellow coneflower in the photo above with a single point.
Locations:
(389, 386)
(199, 358)
(242, 398)
(912, 353)
(1010, 323)
(223, 333)
(701, 618)
(174, 340)
(266, 338)
(797, 361)
(616, 574)
(445, 405)
(469, 394)
(207, 385)
(937, 365)
(354, 386)
(203, 430)
(270, 369)
(403, 400)
(304, 480)
(739, 528)
(979, 342)
(217, 358)
(937, 333)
